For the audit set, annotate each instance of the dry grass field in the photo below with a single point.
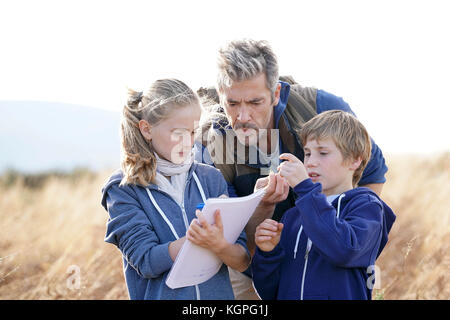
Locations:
(51, 239)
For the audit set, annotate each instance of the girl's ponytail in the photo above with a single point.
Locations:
(137, 159)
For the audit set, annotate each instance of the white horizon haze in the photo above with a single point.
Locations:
(388, 60)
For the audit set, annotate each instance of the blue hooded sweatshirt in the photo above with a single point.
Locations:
(143, 234)
(326, 251)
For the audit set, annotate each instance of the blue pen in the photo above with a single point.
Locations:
(200, 206)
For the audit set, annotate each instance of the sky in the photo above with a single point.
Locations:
(388, 59)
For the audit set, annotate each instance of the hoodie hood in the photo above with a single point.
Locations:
(388, 215)
(115, 178)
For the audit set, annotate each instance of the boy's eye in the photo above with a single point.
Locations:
(307, 154)
(323, 153)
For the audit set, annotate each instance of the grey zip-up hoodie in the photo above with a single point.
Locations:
(143, 234)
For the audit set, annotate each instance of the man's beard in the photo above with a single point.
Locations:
(246, 138)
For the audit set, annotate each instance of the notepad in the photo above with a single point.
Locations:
(194, 264)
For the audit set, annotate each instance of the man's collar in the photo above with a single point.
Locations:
(281, 106)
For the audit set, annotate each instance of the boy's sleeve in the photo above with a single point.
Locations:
(131, 231)
(266, 272)
(376, 168)
(351, 241)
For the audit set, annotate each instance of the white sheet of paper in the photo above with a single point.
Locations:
(195, 264)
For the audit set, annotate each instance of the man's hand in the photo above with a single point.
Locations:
(268, 234)
(292, 170)
(277, 189)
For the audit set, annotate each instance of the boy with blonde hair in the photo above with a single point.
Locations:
(326, 246)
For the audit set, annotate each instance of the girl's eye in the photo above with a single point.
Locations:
(307, 154)
(179, 133)
(323, 153)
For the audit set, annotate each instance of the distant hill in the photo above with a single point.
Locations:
(41, 136)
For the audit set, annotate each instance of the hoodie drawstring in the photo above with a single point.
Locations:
(296, 241)
(339, 204)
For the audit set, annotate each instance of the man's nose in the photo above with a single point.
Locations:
(243, 114)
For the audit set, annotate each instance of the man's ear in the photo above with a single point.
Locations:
(146, 129)
(277, 94)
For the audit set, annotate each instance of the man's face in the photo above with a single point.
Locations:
(249, 108)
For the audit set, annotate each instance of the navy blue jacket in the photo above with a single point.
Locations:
(338, 260)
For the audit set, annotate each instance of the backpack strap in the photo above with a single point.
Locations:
(300, 108)
(301, 105)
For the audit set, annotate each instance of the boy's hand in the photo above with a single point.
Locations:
(292, 170)
(268, 234)
(209, 236)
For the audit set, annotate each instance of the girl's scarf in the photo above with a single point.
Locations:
(176, 172)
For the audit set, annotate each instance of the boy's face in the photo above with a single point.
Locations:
(325, 164)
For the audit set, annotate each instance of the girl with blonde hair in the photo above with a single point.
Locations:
(152, 200)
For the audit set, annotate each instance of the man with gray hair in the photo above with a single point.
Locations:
(254, 116)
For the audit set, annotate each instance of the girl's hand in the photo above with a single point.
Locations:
(209, 236)
(292, 170)
(268, 234)
(175, 246)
